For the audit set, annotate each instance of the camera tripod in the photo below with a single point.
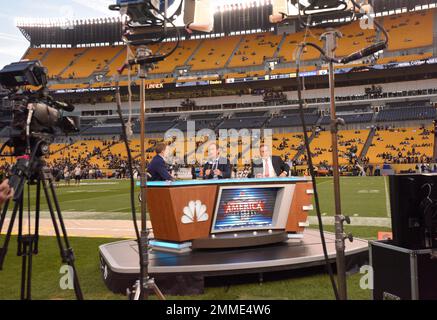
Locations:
(34, 171)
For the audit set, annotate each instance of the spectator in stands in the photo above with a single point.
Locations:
(370, 169)
(158, 168)
(268, 166)
(377, 171)
(217, 167)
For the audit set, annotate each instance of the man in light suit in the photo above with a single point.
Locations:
(217, 167)
(268, 166)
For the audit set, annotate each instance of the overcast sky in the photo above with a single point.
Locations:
(13, 44)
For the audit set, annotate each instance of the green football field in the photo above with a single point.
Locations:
(360, 196)
(298, 285)
(109, 199)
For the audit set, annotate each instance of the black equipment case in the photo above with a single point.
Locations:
(403, 274)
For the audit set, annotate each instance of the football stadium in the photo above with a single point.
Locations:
(221, 150)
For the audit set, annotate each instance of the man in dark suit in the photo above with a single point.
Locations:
(268, 166)
(217, 167)
(158, 169)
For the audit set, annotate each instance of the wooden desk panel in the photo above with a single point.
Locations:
(300, 199)
(166, 209)
(166, 206)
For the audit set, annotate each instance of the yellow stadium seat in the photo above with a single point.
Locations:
(321, 145)
(410, 30)
(254, 49)
(92, 60)
(58, 60)
(399, 140)
(35, 54)
(178, 58)
(214, 53)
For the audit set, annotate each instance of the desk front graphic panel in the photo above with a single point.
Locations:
(188, 210)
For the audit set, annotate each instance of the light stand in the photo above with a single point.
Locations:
(144, 59)
(146, 283)
(330, 43)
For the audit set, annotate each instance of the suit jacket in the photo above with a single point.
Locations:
(278, 165)
(158, 170)
(223, 165)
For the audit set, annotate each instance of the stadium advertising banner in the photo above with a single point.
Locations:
(151, 86)
(198, 83)
(245, 208)
(323, 72)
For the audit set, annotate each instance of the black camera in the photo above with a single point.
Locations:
(145, 12)
(35, 114)
(23, 73)
(324, 4)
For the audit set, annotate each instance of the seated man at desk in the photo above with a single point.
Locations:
(217, 167)
(158, 168)
(268, 166)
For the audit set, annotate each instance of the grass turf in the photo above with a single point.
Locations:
(47, 275)
(93, 199)
(109, 199)
(360, 196)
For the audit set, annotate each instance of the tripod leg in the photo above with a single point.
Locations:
(4, 248)
(23, 271)
(29, 267)
(158, 292)
(26, 267)
(37, 215)
(3, 215)
(20, 248)
(65, 251)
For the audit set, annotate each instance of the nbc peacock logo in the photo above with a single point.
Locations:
(195, 212)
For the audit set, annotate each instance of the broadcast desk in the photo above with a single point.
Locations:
(204, 229)
(216, 213)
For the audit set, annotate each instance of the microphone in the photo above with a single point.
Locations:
(63, 106)
(146, 60)
(365, 52)
(122, 68)
(141, 61)
(60, 105)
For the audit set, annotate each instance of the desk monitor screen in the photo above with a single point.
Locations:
(241, 208)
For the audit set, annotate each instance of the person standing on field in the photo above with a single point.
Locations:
(77, 174)
(67, 176)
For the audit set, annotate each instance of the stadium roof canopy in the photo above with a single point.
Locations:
(41, 32)
(388, 5)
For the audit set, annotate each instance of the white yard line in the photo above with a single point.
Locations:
(120, 210)
(356, 221)
(90, 228)
(88, 184)
(320, 183)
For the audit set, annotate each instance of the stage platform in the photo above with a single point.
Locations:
(185, 273)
